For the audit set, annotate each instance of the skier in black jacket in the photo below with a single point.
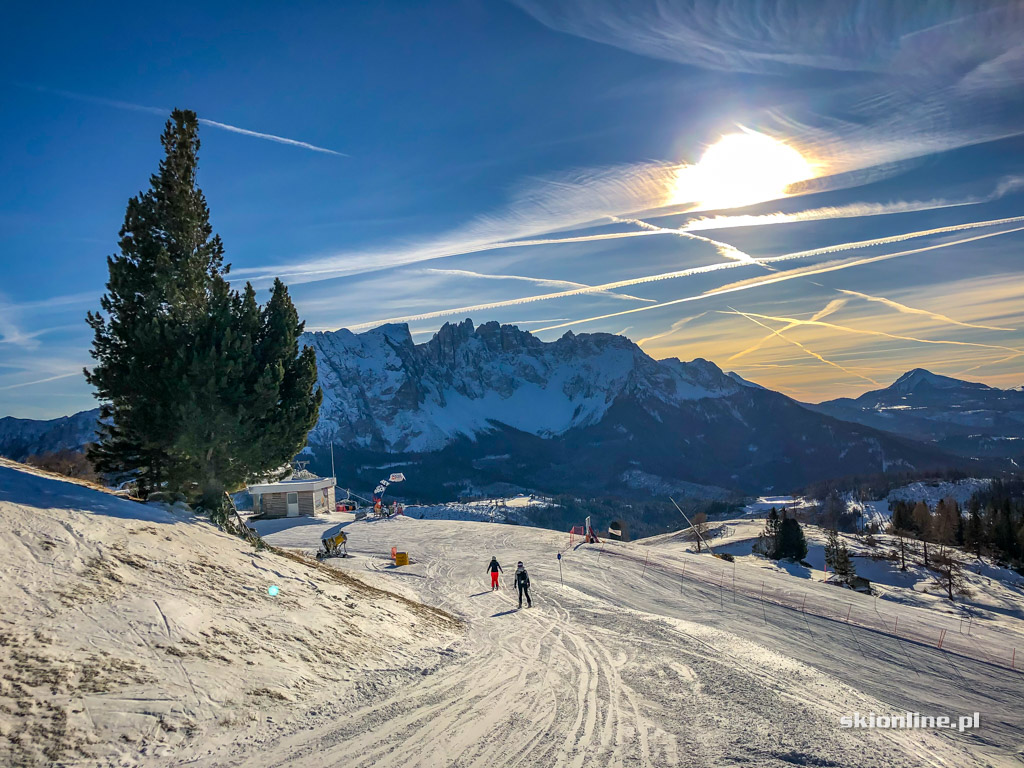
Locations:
(523, 584)
(493, 568)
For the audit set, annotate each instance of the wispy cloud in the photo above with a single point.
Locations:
(11, 328)
(559, 202)
(937, 75)
(163, 112)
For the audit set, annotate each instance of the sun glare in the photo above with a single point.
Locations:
(741, 169)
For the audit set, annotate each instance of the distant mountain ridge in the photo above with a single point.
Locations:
(967, 418)
(20, 438)
(492, 405)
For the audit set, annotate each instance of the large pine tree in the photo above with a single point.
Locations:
(201, 388)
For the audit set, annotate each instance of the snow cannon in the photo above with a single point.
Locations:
(334, 545)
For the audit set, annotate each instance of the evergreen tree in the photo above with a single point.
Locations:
(792, 543)
(902, 517)
(768, 540)
(200, 387)
(831, 548)
(844, 568)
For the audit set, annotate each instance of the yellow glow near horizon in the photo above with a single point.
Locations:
(741, 169)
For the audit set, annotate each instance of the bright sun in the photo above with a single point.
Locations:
(741, 169)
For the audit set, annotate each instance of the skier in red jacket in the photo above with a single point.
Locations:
(494, 568)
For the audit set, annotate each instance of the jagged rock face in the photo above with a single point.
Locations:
(494, 404)
(964, 417)
(382, 391)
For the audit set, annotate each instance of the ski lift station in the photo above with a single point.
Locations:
(292, 498)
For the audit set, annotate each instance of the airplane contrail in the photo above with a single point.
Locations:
(270, 137)
(40, 381)
(866, 332)
(832, 307)
(535, 280)
(728, 251)
(125, 105)
(782, 276)
(672, 329)
(802, 347)
(778, 277)
(989, 362)
(927, 313)
(900, 238)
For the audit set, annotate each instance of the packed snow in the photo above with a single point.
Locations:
(134, 635)
(633, 653)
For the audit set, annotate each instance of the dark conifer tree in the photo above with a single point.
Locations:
(792, 543)
(201, 388)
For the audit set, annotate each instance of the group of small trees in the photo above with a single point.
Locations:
(65, 462)
(945, 529)
(782, 538)
(201, 388)
(837, 557)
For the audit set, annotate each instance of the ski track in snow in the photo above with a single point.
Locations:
(620, 668)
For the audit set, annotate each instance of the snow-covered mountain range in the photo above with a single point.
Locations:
(492, 405)
(492, 408)
(20, 438)
(963, 417)
(382, 391)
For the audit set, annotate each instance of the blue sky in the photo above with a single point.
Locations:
(878, 167)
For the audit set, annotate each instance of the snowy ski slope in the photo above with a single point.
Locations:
(627, 665)
(133, 636)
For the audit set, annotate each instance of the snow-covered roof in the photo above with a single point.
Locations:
(292, 486)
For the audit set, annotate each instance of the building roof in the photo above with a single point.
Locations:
(292, 486)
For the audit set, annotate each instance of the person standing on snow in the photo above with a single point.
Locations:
(523, 585)
(494, 568)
